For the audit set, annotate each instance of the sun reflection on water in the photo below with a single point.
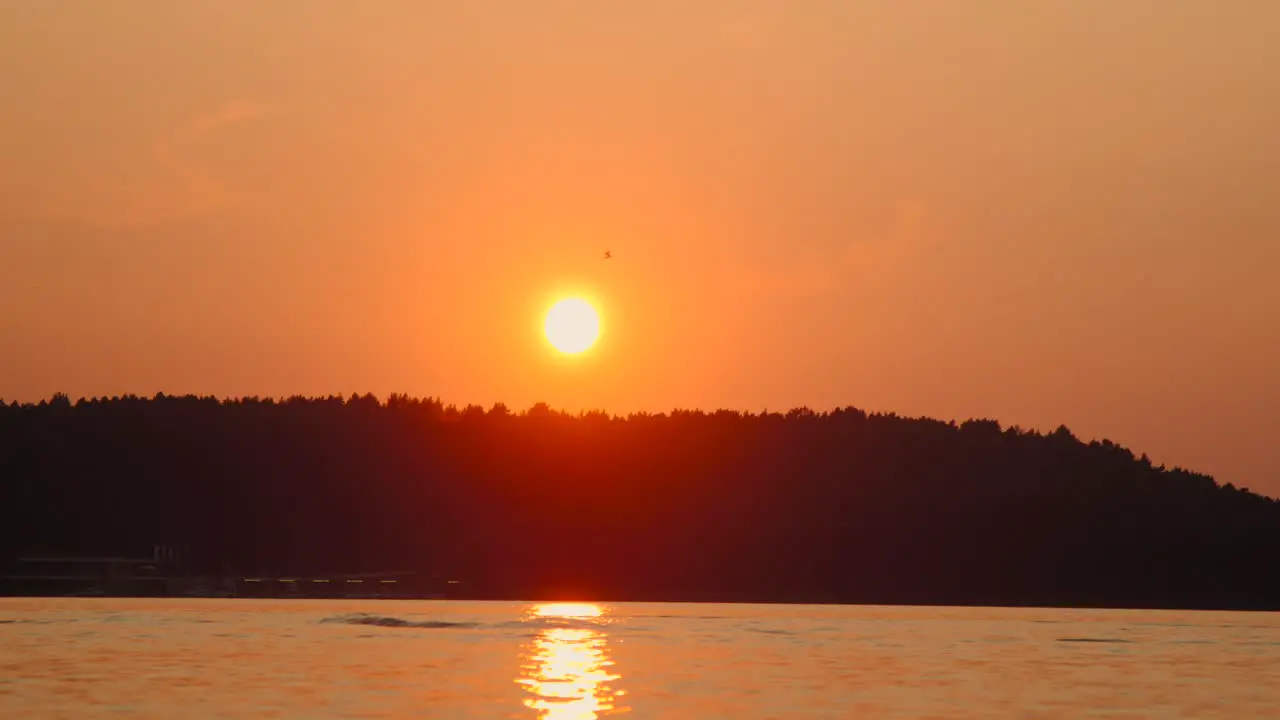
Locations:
(566, 669)
(567, 610)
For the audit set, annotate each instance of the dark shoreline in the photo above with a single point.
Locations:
(659, 600)
(842, 507)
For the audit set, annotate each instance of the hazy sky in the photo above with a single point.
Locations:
(1043, 212)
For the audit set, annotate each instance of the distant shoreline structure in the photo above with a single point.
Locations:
(135, 577)
(164, 575)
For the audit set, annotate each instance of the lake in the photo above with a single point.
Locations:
(197, 658)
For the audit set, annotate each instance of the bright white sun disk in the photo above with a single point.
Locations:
(572, 326)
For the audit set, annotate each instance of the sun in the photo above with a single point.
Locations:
(572, 326)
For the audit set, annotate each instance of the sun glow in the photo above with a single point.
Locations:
(572, 326)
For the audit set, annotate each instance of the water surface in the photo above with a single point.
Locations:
(83, 658)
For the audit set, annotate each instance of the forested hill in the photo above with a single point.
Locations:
(841, 506)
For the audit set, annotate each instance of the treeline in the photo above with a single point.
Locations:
(840, 506)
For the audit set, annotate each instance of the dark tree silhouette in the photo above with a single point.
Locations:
(837, 506)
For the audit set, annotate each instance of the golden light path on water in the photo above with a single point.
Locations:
(566, 668)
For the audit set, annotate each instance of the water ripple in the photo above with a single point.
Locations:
(395, 622)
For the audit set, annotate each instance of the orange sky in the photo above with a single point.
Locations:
(1049, 212)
